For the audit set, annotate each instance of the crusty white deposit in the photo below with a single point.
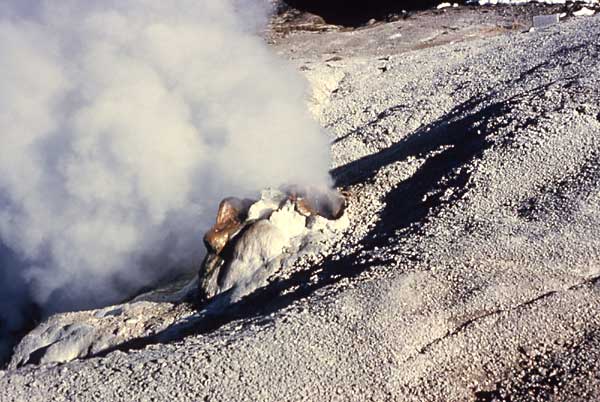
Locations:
(276, 235)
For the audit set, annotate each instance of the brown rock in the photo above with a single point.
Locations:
(330, 204)
(230, 218)
(304, 207)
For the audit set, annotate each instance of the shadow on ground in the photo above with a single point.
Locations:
(450, 144)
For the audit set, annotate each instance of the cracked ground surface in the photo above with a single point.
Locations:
(471, 268)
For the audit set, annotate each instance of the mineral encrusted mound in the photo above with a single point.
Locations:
(67, 336)
(250, 240)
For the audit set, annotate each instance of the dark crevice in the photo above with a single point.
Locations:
(353, 13)
(468, 323)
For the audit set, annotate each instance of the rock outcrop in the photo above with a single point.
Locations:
(249, 243)
(67, 336)
(245, 246)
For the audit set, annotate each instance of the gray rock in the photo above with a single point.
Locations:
(68, 336)
(541, 21)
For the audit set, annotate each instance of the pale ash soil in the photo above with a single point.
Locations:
(470, 272)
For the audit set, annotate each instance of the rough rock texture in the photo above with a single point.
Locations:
(471, 270)
(250, 241)
(273, 232)
(68, 336)
(230, 217)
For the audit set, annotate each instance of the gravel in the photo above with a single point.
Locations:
(471, 268)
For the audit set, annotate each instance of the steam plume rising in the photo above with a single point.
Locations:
(123, 124)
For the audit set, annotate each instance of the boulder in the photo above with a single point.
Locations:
(279, 224)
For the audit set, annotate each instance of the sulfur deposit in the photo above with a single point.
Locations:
(248, 240)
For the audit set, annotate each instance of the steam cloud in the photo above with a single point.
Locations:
(123, 123)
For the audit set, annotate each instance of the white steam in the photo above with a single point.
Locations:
(123, 123)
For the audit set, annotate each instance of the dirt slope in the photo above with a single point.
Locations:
(472, 266)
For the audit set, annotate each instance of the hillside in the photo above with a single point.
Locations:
(471, 266)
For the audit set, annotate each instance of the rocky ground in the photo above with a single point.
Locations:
(471, 270)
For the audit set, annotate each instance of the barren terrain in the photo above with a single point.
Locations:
(470, 154)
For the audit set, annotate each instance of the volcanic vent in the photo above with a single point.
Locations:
(250, 243)
(123, 123)
(250, 238)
